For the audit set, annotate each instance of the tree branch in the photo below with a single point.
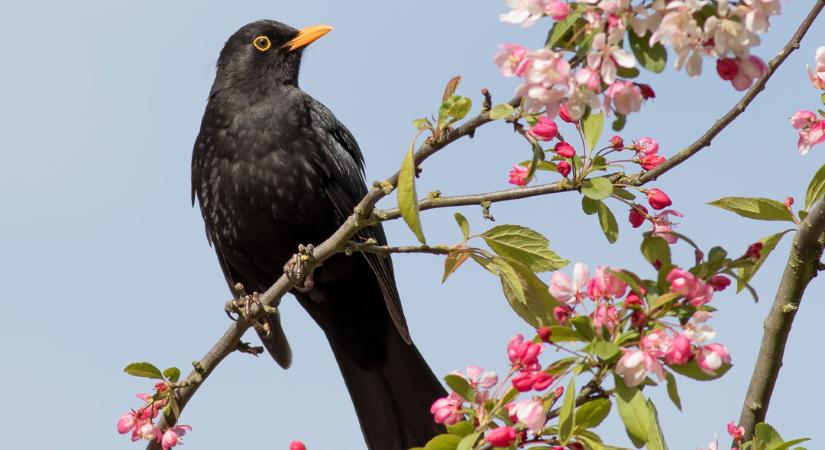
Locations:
(387, 250)
(803, 261)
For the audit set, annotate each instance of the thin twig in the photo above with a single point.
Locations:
(388, 250)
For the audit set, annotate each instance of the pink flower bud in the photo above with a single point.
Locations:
(727, 68)
(558, 392)
(679, 352)
(518, 175)
(565, 150)
(650, 162)
(523, 382)
(802, 119)
(617, 142)
(564, 113)
(545, 129)
(297, 445)
(531, 413)
(501, 436)
(556, 9)
(564, 168)
(542, 381)
(646, 146)
(638, 215)
(789, 202)
(606, 316)
(562, 313)
(447, 410)
(735, 432)
(711, 357)
(658, 199)
(544, 333)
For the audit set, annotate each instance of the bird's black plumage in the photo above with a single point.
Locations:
(273, 168)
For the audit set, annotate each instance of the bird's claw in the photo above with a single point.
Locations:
(296, 268)
(259, 316)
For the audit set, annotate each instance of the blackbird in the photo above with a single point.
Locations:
(273, 168)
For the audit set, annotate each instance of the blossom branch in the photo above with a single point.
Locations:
(336, 243)
(802, 266)
(386, 250)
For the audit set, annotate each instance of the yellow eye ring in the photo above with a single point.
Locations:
(262, 43)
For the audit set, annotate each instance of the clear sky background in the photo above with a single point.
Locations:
(103, 261)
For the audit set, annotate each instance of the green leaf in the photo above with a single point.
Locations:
(453, 109)
(673, 391)
(461, 428)
(598, 188)
(623, 193)
(765, 437)
(692, 370)
(469, 441)
(461, 386)
(607, 220)
(745, 274)
(407, 198)
(584, 326)
(524, 245)
(605, 350)
(791, 443)
(634, 412)
(510, 285)
(590, 206)
(443, 442)
(655, 438)
(452, 262)
(653, 58)
(172, 374)
(567, 420)
(422, 123)
(143, 369)
(625, 72)
(592, 126)
(655, 249)
(561, 333)
(560, 29)
(757, 208)
(463, 224)
(816, 188)
(501, 111)
(619, 123)
(592, 413)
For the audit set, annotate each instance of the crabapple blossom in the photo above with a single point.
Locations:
(646, 146)
(564, 168)
(695, 291)
(447, 410)
(624, 96)
(565, 150)
(562, 313)
(817, 76)
(663, 227)
(523, 12)
(650, 162)
(605, 315)
(545, 129)
(564, 114)
(544, 333)
(679, 352)
(735, 432)
(658, 199)
(803, 119)
(727, 68)
(810, 136)
(174, 436)
(530, 412)
(556, 9)
(523, 354)
(711, 357)
(616, 142)
(589, 78)
(512, 60)
(478, 378)
(754, 250)
(518, 175)
(750, 69)
(759, 12)
(634, 365)
(638, 215)
(547, 82)
(656, 343)
(605, 57)
(566, 290)
(605, 285)
(501, 436)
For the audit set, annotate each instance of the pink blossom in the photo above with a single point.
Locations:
(566, 290)
(754, 250)
(658, 199)
(564, 150)
(657, 343)
(523, 381)
(133, 421)
(545, 129)
(818, 76)
(638, 215)
(562, 313)
(478, 378)
(174, 436)
(663, 227)
(518, 175)
(803, 119)
(605, 285)
(564, 114)
(556, 9)
(696, 291)
(548, 82)
(606, 57)
(634, 365)
(650, 162)
(680, 351)
(813, 135)
(512, 60)
(501, 436)
(150, 432)
(523, 12)
(447, 410)
(524, 354)
(297, 445)
(542, 380)
(736, 432)
(711, 357)
(646, 146)
(758, 12)
(625, 97)
(749, 70)
(606, 316)
(564, 168)
(589, 78)
(531, 413)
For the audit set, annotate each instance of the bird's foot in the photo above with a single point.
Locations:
(296, 268)
(251, 308)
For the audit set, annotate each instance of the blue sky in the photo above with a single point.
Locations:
(104, 261)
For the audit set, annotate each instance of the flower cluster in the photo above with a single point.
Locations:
(661, 222)
(811, 127)
(140, 422)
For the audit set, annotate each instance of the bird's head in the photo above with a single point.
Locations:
(266, 51)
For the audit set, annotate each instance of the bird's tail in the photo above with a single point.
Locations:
(392, 399)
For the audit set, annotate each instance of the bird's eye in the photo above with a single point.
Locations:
(262, 43)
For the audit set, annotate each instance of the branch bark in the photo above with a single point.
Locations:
(802, 266)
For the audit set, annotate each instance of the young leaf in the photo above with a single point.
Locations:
(463, 224)
(655, 249)
(655, 438)
(765, 437)
(469, 441)
(608, 223)
(634, 412)
(407, 198)
(451, 87)
(172, 374)
(560, 29)
(816, 188)
(598, 188)
(590, 206)
(592, 413)
(143, 369)
(443, 442)
(692, 370)
(461, 428)
(501, 111)
(757, 208)
(584, 326)
(567, 420)
(673, 391)
(461, 386)
(452, 262)
(745, 274)
(422, 123)
(453, 109)
(592, 127)
(653, 58)
(606, 351)
(527, 246)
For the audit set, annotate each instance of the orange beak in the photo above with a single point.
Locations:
(307, 36)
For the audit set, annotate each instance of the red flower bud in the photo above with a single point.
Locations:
(727, 68)
(638, 215)
(501, 436)
(544, 333)
(754, 250)
(542, 381)
(564, 168)
(658, 199)
(650, 162)
(559, 392)
(617, 142)
(565, 150)
(565, 114)
(647, 91)
(297, 445)
(719, 282)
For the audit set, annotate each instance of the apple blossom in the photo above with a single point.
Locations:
(754, 250)
(634, 365)
(818, 76)
(625, 97)
(478, 378)
(663, 227)
(173, 436)
(656, 343)
(810, 136)
(556, 9)
(711, 357)
(545, 129)
(719, 282)
(736, 432)
(650, 162)
(727, 68)
(523, 354)
(605, 56)
(518, 175)
(605, 315)
(566, 290)
(562, 313)
(512, 60)
(523, 12)
(501, 436)
(530, 412)
(547, 82)
(803, 119)
(447, 410)
(605, 285)
(646, 146)
(750, 69)
(695, 291)
(564, 168)
(564, 114)
(679, 352)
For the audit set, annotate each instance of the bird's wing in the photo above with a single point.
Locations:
(346, 187)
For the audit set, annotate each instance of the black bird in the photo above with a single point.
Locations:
(273, 168)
